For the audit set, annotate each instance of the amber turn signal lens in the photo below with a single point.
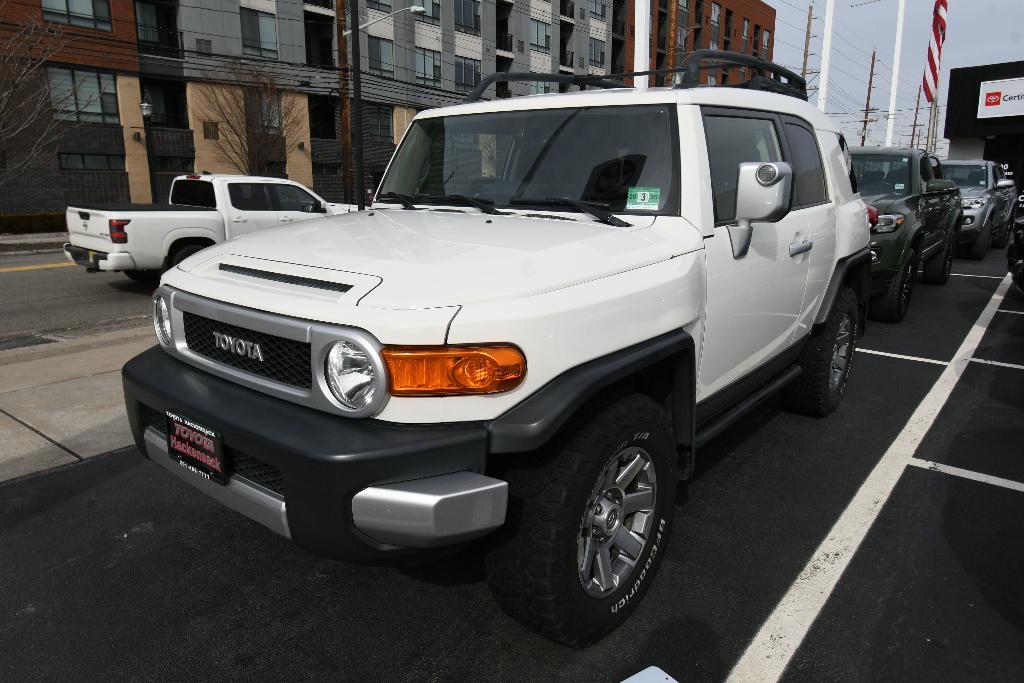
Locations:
(453, 370)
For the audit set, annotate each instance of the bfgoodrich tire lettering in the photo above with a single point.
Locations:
(534, 564)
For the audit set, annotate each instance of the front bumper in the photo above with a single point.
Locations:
(971, 224)
(351, 489)
(94, 260)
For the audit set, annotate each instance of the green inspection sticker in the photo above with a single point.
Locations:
(643, 199)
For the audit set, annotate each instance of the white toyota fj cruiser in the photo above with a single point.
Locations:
(552, 304)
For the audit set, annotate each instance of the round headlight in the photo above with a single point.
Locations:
(162, 320)
(351, 375)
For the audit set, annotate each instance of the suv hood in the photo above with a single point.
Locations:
(400, 259)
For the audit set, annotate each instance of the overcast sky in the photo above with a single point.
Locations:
(979, 32)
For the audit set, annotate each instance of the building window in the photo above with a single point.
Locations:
(684, 8)
(86, 96)
(539, 88)
(259, 33)
(754, 39)
(433, 13)
(597, 9)
(86, 13)
(467, 16)
(540, 35)
(428, 66)
(171, 164)
(467, 73)
(91, 162)
(712, 80)
(382, 56)
(204, 46)
(713, 43)
(766, 37)
(378, 123)
(596, 52)
(381, 5)
(211, 130)
(716, 14)
(332, 168)
(322, 117)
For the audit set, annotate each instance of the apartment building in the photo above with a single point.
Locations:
(175, 60)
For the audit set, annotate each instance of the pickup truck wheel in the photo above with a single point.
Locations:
(892, 306)
(938, 268)
(1004, 237)
(146, 277)
(826, 361)
(182, 253)
(589, 517)
(981, 244)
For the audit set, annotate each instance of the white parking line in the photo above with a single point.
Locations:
(989, 277)
(901, 356)
(1007, 310)
(1000, 364)
(968, 474)
(768, 654)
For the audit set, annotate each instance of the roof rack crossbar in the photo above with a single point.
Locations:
(526, 76)
(793, 85)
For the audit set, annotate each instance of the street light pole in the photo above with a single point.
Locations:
(357, 94)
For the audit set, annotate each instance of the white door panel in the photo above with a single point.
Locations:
(820, 224)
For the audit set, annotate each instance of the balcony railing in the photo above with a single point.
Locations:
(326, 4)
(168, 119)
(567, 8)
(159, 40)
(322, 59)
(505, 42)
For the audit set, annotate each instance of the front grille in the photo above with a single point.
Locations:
(242, 465)
(284, 360)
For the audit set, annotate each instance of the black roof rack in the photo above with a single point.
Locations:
(793, 85)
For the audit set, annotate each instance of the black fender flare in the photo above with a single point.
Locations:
(853, 270)
(531, 423)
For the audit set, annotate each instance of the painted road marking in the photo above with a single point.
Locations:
(901, 356)
(1007, 310)
(967, 474)
(995, 362)
(990, 277)
(768, 654)
(40, 266)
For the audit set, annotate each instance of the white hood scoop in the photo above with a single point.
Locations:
(286, 279)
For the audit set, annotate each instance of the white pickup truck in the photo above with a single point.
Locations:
(143, 240)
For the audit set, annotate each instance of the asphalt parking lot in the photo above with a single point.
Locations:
(113, 569)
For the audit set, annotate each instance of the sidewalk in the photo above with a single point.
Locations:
(32, 243)
(61, 403)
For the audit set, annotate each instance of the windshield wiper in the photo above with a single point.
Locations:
(602, 215)
(484, 205)
(403, 199)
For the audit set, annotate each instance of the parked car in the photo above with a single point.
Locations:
(527, 337)
(918, 216)
(143, 240)
(988, 202)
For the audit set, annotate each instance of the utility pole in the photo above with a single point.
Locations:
(346, 105)
(913, 129)
(867, 102)
(895, 75)
(807, 41)
(826, 53)
(357, 105)
(641, 41)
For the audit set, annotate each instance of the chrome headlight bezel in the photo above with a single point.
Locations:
(366, 347)
(162, 321)
(888, 222)
(973, 202)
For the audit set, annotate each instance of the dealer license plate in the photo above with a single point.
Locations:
(196, 447)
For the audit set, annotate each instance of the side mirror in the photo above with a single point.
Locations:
(314, 207)
(937, 185)
(1005, 182)
(762, 194)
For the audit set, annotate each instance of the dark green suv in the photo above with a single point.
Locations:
(918, 216)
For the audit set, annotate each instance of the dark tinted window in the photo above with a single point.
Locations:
(936, 167)
(193, 193)
(879, 174)
(808, 175)
(250, 197)
(967, 175)
(291, 198)
(731, 142)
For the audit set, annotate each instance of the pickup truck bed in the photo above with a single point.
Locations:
(141, 207)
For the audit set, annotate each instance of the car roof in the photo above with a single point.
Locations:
(895, 151)
(230, 176)
(965, 162)
(709, 96)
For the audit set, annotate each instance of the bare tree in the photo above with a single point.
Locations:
(257, 119)
(27, 122)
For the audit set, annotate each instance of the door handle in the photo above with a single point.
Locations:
(237, 219)
(797, 248)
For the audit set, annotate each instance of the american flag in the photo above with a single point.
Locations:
(931, 72)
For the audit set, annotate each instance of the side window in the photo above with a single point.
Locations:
(250, 197)
(291, 198)
(808, 174)
(193, 193)
(936, 168)
(732, 141)
(926, 172)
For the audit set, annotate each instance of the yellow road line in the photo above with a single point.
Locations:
(40, 266)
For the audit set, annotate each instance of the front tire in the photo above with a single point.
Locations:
(1004, 238)
(981, 244)
(892, 306)
(938, 268)
(826, 361)
(589, 518)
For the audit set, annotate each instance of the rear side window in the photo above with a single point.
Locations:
(250, 197)
(193, 193)
(733, 140)
(808, 174)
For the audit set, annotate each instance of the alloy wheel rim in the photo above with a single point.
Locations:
(907, 286)
(617, 522)
(841, 352)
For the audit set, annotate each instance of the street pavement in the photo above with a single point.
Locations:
(112, 568)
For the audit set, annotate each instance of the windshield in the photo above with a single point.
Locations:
(624, 159)
(882, 174)
(966, 175)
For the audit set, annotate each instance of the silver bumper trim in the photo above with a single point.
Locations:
(431, 512)
(254, 503)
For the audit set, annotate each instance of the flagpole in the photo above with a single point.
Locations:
(890, 129)
(826, 54)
